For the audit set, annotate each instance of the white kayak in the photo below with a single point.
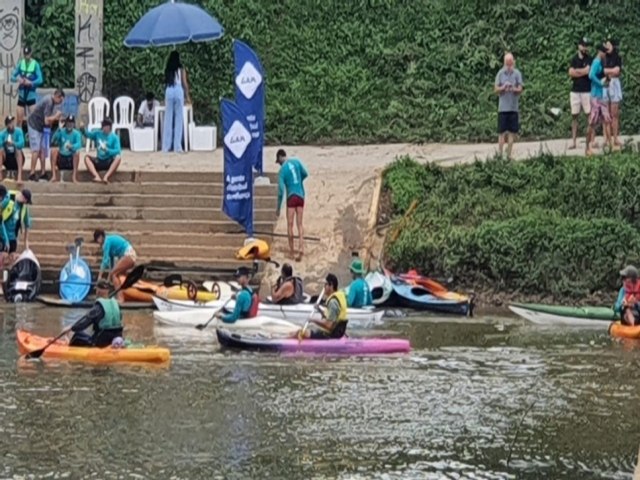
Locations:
(261, 322)
(174, 310)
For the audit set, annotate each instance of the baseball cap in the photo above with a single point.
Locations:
(629, 271)
(107, 122)
(70, 118)
(8, 119)
(584, 42)
(26, 50)
(26, 193)
(242, 271)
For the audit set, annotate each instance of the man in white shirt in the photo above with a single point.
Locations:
(147, 111)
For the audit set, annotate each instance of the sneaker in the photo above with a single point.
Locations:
(33, 177)
(44, 177)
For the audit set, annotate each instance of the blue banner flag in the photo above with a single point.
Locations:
(250, 96)
(237, 199)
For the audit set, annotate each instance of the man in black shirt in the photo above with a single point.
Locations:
(613, 94)
(580, 97)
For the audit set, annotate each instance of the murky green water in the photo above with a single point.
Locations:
(450, 409)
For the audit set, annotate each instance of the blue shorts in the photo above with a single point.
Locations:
(613, 93)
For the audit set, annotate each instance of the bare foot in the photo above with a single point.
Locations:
(74, 180)
(54, 180)
(572, 147)
(589, 153)
(105, 180)
(97, 179)
(299, 257)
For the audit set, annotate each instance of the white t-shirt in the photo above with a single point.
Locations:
(147, 114)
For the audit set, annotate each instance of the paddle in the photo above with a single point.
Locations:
(132, 277)
(306, 324)
(202, 326)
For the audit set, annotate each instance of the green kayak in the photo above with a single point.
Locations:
(559, 314)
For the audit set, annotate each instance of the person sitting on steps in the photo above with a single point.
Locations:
(246, 301)
(333, 323)
(109, 152)
(289, 290)
(628, 302)
(11, 145)
(105, 319)
(66, 156)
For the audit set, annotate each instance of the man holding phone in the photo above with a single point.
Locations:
(508, 86)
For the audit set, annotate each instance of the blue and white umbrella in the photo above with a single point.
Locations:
(172, 23)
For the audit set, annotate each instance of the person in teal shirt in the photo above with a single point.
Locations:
(15, 211)
(115, 246)
(599, 107)
(108, 157)
(28, 75)
(66, 156)
(291, 181)
(246, 300)
(359, 292)
(11, 145)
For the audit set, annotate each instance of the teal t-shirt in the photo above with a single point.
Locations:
(17, 137)
(69, 142)
(242, 308)
(108, 146)
(290, 179)
(359, 294)
(115, 246)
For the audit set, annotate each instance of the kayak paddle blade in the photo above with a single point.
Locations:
(134, 275)
(173, 280)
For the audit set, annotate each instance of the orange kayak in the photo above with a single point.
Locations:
(144, 290)
(618, 330)
(27, 342)
(436, 289)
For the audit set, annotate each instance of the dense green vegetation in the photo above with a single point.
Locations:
(365, 70)
(563, 227)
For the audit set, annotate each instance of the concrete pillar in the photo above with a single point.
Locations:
(11, 25)
(88, 53)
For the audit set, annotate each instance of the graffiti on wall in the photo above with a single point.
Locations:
(88, 52)
(11, 17)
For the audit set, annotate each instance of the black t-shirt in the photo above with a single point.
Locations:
(581, 84)
(613, 60)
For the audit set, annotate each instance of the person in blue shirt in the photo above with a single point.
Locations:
(115, 247)
(16, 217)
(28, 75)
(599, 107)
(290, 181)
(246, 300)
(11, 145)
(66, 156)
(108, 157)
(359, 292)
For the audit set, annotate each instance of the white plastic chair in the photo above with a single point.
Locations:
(123, 116)
(98, 110)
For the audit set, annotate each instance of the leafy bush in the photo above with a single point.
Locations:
(543, 226)
(365, 70)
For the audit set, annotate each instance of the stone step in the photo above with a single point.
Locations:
(140, 239)
(125, 226)
(140, 201)
(170, 263)
(40, 212)
(144, 188)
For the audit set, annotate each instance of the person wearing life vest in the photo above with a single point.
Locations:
(105, 319)
(28, 75)
(115, 247)
(628, 302)
(246, 301)
(333, 323)
(289, 290)
(359, 292)
(11, 145)
(16, 217)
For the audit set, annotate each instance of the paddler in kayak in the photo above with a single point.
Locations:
(105, 319)
(289, 290)
(334, 317)
(627, 304)
(115, 246)
(246, 301)
(359, 292)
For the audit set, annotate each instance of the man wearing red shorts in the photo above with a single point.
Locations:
(290, 180)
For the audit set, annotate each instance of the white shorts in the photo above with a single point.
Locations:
(580, 101)
(130, 252)
(613, 93)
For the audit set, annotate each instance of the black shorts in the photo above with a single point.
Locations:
(508, 122)
(65, 162)
(101, 165)
(13, 246)
(26, 103)
(338, 332)
(10, 162)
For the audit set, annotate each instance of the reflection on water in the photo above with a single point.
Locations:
(450, 409)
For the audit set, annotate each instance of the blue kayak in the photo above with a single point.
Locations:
(419, 298)
(75, 280)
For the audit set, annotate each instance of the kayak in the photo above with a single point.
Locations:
(192, 313)
(618, 330)
(340, 346)
(379, 285)
(434, 288)
(23, 280)
(53, 301)
(562, 315)
(144, 290)
(28, 342)
(268, 324)
(419, 298)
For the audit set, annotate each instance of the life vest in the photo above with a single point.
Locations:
(8, 211)
(255, 303)
(112, 318)
(254, 250)
(631, 292)
(28, 70)
(298, 291)
(342, 301)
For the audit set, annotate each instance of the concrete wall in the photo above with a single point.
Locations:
(11, 32)
(88, 52)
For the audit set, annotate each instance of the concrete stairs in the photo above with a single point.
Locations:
(173, 219)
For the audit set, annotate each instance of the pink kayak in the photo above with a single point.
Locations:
(340, 346)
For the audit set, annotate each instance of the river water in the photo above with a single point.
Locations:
(488, 398)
